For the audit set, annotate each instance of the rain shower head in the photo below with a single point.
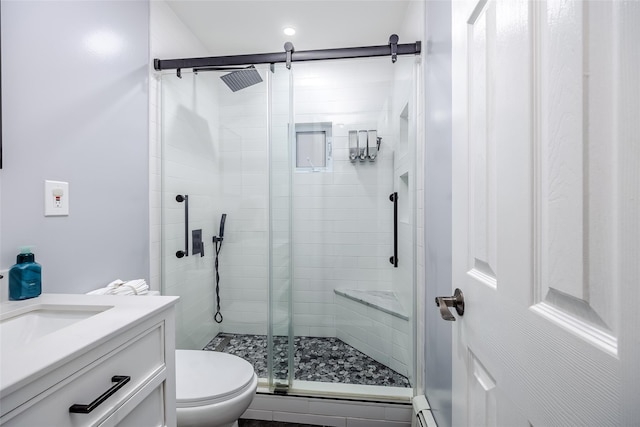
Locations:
(241, 79)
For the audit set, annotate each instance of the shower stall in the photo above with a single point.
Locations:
(314, 165)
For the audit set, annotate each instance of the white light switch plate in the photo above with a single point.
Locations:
(56, 198)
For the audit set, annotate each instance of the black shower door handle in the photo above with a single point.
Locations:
(180, 198)
(394, 259)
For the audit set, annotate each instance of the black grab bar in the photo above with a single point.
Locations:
(394, 259)
(180, 198)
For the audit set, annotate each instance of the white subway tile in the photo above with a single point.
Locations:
(322, 331)
(345, 409)
(256, 414)
(289, 404)
(301, 330)
(399, 366)
(402, 413)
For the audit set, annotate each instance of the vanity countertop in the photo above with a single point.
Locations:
(23, 362)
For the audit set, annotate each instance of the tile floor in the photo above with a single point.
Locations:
(315, 359)
(258, 423)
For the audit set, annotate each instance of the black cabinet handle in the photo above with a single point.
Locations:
(394, 259)
(180, 198)
(119, 380)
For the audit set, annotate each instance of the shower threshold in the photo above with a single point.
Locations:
(316, 360)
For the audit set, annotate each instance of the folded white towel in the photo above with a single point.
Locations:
(132, 287)
(119, 287)
(100, 291)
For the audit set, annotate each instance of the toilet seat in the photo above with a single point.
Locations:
(209, 377)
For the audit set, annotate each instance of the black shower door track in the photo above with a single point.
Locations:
(296, 56)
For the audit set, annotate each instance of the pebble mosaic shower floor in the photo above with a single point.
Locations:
(315, 359)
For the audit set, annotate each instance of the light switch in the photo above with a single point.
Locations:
(56, 198)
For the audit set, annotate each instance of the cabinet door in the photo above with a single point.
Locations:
(148, 409)
(141, 359)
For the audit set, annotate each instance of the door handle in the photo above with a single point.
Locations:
(180, 198)
(394, 199)
(119, 380)
(457, 301)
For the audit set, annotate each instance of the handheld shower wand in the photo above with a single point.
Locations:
(217, 241)
(220, 237)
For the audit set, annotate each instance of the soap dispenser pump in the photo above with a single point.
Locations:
(25, 277)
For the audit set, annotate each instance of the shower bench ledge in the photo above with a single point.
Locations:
(385, 301)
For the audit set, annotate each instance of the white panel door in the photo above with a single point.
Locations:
(545, 211)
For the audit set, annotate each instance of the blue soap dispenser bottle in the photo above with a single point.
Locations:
(25, 277)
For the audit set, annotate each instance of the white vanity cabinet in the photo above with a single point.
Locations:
(123, 375)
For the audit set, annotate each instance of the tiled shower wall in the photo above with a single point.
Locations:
(192, 165)
(343, 218)
(379, 335)
(245, 200)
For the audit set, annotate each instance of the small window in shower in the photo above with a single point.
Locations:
(313, 147)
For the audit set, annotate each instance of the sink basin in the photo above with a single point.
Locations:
(23, 327)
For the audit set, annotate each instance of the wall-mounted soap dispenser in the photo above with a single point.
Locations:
(353, 145)
(373, 144)
(363, 145)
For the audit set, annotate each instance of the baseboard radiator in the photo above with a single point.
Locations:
(421, 412)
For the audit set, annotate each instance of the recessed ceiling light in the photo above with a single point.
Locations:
(289, 31)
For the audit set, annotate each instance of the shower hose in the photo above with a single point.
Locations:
(218, 316)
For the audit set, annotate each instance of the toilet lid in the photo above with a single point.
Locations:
(204, 376)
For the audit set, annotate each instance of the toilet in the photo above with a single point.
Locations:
(213, 389)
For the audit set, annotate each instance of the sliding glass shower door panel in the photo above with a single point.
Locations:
(280, 339)
(189, 172)
(214, 151)
(352, 308)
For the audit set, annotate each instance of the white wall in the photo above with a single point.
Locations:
(437, 202)
(75, 109)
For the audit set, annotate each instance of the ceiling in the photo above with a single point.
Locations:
(233, 27)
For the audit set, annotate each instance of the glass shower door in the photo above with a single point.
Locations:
(190, 177)
(353, 146)
(309, 225)
(280, 332)
(215, 152)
